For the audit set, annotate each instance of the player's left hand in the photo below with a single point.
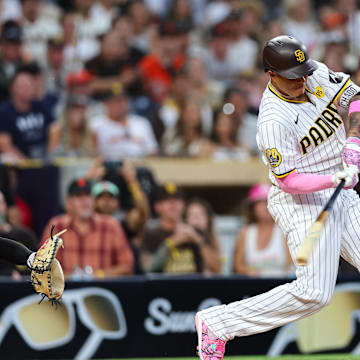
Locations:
(351, 153)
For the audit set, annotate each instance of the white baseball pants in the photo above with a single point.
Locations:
(315, 283)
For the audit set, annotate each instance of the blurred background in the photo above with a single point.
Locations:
(132, 123)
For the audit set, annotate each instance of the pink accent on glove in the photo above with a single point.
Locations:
(354, 107)
(351, 152)
(353, 139)
(295, 183)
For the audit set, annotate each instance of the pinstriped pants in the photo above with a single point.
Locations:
(315, 283)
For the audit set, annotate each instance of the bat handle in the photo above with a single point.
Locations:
(331, 201)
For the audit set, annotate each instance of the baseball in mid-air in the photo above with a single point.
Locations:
(228, 108)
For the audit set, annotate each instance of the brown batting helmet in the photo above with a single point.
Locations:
(288, 57)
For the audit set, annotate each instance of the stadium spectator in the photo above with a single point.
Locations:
(169, 111)
(25, 122)
(48, 100)
(124, 28)
(79, 83)
(71, 136)
(93, 242)
(185, 84)
(172, 247)
(180, 12)
(9, 10)
(216, 12)
(342, 18)
(116, 64)
(216, 54)
(108, 201)
(260, 248)
(119, 134)
(105, 11)
(210, 91)
(237, 99)
(164, 60)
(17, 233)
(142, 30)
(81, 30)
(11, 55)
(6, 185)
(224, 138)
(273, 28)
(38, 27)
(187, 137)
(199, 214)
(300, 22)
(54, 66)
(335, 55)
(243, 50)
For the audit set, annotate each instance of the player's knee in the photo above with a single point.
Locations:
(314, 299)
(321, 300)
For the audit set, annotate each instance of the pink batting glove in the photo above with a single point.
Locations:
(351, 152)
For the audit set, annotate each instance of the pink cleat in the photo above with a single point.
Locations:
(210, 347)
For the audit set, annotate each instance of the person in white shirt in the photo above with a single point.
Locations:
(38, 29)
(119, 134)
(300, 23)
(9, 10)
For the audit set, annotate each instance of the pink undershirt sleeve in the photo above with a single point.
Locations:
(295, 183)
(354, 107)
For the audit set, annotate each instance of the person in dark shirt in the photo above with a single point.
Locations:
(24, 121)
(116, 64)
(172, 247)
(11, 55)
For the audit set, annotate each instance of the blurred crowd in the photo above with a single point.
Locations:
(178, 78)
(114, 80)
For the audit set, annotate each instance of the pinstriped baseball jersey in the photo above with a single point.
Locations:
(305, 136)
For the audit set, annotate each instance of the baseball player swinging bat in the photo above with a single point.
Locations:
(316, 228)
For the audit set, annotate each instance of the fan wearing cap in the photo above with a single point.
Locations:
(121, 195)
(301, 136)
(11, 56)
(108, 201)
(54, 65)
(260, 246)
(172, 246)
(106, 196)
(95, 241)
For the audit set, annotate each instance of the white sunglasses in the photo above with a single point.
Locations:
(43, 327)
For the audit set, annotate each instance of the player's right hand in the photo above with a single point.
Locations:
(349, 174)
(351, 152)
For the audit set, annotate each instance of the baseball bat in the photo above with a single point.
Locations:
(60, 233)
(56, 235)
(316, 228)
